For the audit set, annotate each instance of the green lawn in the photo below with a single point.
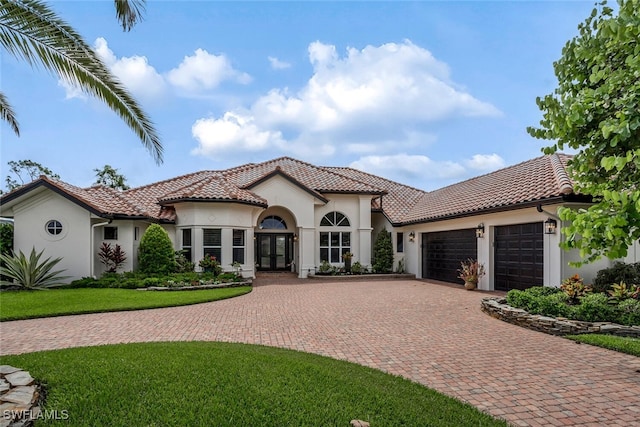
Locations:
(59, 302)
(222, 384)
(621, 344)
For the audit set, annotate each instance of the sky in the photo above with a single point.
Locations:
(424, 93)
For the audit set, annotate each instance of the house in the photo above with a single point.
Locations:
(285, 214)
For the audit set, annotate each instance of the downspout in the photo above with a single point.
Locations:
(93, 227)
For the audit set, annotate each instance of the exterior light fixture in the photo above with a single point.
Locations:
(295, 237)
(412, 236)
(480, 231)
(550, 226)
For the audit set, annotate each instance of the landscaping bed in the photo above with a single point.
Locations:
(354, 277)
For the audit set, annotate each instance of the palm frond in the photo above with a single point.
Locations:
(31, 31)
(7, 114)
(129, 12)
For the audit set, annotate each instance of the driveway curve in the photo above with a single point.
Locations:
(430, 333)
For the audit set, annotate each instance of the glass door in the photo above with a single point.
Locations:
(274, 251)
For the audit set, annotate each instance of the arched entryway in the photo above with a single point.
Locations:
(276, 241)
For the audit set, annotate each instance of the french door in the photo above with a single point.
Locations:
(274, 251)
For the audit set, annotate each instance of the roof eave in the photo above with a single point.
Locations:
(289, 178)
(168, 202)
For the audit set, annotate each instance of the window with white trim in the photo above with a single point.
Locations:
(110, 233)
(212, 242)
(238, 246)
(186, 244)
(333, 244)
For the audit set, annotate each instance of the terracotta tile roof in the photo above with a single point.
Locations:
(537, 179)
(527, 182)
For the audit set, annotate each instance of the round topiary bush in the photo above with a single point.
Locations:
(156, 254)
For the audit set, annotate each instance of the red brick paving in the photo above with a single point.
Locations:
(430, 333)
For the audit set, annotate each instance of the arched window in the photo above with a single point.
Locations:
(333, 244)
(335, 219)
(273, 222)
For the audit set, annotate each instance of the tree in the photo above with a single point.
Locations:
(383, 253)
(25, 171)
(156, 254)
(111, 178)
(596, 110)
(31, 31)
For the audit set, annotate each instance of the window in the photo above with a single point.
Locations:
(238, 246)
(136, 233)
(186, 244)
(212, 242)
(335, 219)
(53, 227)
(111, 233)
(273, 223)
(399, 242)
(333, 244)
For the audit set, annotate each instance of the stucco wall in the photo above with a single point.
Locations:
(72, 244)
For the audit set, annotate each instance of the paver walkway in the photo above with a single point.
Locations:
(430, 333)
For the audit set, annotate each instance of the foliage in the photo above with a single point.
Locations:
(619, 272)
(25, 171)
(622, 344)
(383, 253)
(595, 110)
(223, 384)
(629, 312)
(111, 178)
(325, 267)
(357, 268)
(347, 255)
(471, 270)
(595, 308)
(401, 268)
(210, 264)
(6, 238)
(31, 31)
(129, 280)
(18, 305)
(621, 291)
(156, 254)
(31, 273)
(575, 288)
(539, 299)
(112, 258)
(183, 265)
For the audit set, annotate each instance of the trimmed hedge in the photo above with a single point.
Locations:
(139, 280)
(619, 272)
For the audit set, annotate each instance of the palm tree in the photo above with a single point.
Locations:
(31, 31)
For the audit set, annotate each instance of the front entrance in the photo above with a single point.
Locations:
(274, 251)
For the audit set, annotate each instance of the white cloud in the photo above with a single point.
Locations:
(71, 91)
(485, 162)
(203, 71)
(277, 64)
(233, 132)
(134, 71)
(371, 100)
(409, 166)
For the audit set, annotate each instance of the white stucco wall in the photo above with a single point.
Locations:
(72, 244)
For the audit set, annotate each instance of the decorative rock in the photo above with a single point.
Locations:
(4, 385)
(19, 378)
(7, 369)
(359, 423)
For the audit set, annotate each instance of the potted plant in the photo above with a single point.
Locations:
(210, 264)
(471, 271)
(347, 256)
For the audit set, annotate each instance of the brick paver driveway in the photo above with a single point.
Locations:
(430, 333)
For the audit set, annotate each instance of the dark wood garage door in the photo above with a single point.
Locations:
(443, 251)
(519, 255)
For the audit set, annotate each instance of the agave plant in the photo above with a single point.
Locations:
(31, 273)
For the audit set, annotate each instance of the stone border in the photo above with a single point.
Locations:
(198, 287)
(18, 397)
(354, 277)
(497, 307)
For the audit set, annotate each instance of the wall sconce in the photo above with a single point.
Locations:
(480, 231)
(295, 237)
(412, 236)
(550, 226)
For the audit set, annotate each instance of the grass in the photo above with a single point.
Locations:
(622, 344)
(15, 305)
(210, 383)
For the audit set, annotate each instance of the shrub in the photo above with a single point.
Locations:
(619, 272)
(6, 238)
(594, 308)
(356, 268)
(575, 288)
(183, 265)
(629, 312)
(325, 267)
(210, 264)
(156, 254)
(112, 258)
(31, 273)
(383, 253)
(620, 292)
(554, 305)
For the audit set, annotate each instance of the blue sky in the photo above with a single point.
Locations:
(424, 93)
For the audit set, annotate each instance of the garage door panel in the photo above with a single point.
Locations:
(519, 256)
(443, 251)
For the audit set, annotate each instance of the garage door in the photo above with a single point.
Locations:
(519, 256)
(443, 251)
